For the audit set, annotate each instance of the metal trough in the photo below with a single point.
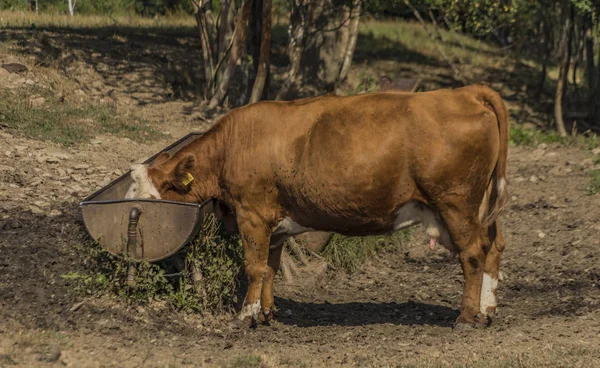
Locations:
(145, 229)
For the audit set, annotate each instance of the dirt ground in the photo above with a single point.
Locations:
(397, 311)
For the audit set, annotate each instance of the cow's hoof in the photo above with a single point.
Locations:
(463, 324)
(486, 320)
(267, 316)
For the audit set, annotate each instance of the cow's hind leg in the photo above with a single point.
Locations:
(473, 245)
(255, 236)
(491, 273)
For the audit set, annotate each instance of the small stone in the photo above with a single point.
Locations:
(20, 147)
(52, 160)
(288, 312)
(41, 204)
(533, 179)
(36, 210)
(59, 155)
(513, 198)
(37, 102)
(54, 213)
(96, 141)
(81, 167)
(29, 82)
(61, 172)
(36, 182)
(596, 151)
(542, 146)
(541, 235)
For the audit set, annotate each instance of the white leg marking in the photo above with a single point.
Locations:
(488, 293)
(501, 185)
(250, 310)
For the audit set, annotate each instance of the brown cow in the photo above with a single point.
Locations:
(357, 165)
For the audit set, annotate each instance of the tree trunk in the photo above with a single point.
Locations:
(296, 35)
(547, 36)
(71, 7)
(596, 92)
(227, 22)
(590, 70)
(562, 76)
(353, 30)
(570, 37)
(264, 59)
(205, 23)
(237, 49)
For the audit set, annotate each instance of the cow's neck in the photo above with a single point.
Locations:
(209, 151)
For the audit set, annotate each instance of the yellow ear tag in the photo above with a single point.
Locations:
(187, 179)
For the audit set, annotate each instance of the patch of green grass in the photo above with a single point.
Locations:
(520, 136)
(245, 361)
(594, 187)
(383, 37)
(350, 253)
(65, 123)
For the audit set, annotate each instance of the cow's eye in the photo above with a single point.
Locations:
(167, 186)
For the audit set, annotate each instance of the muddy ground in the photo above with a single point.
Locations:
(397, 311)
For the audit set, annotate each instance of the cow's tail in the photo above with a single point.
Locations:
(498, 194)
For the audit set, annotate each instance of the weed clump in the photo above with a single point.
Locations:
(208, 282)
(594, 187)
(350, 253)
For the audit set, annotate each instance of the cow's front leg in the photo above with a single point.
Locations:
(255, 236)
(491, 273)
(267, 300)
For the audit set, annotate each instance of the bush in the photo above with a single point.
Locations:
(208, 283)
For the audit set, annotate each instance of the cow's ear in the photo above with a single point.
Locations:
(160, 159)
(182, 177)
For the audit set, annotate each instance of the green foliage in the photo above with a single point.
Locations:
(350, 253)
(245, 361)
(219, 258)
(594, 187)
(66, 123)
(215, 256)
(521, 136)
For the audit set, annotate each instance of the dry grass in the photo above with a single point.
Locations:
(15, 19)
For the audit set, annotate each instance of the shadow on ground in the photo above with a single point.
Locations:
(363, 313)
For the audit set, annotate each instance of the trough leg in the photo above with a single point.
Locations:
(267, 300)
(491, 273)
(255, 236)
(134, 216)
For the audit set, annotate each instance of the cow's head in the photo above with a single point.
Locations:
(167, 178)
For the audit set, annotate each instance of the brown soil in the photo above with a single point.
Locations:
(397, 311)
